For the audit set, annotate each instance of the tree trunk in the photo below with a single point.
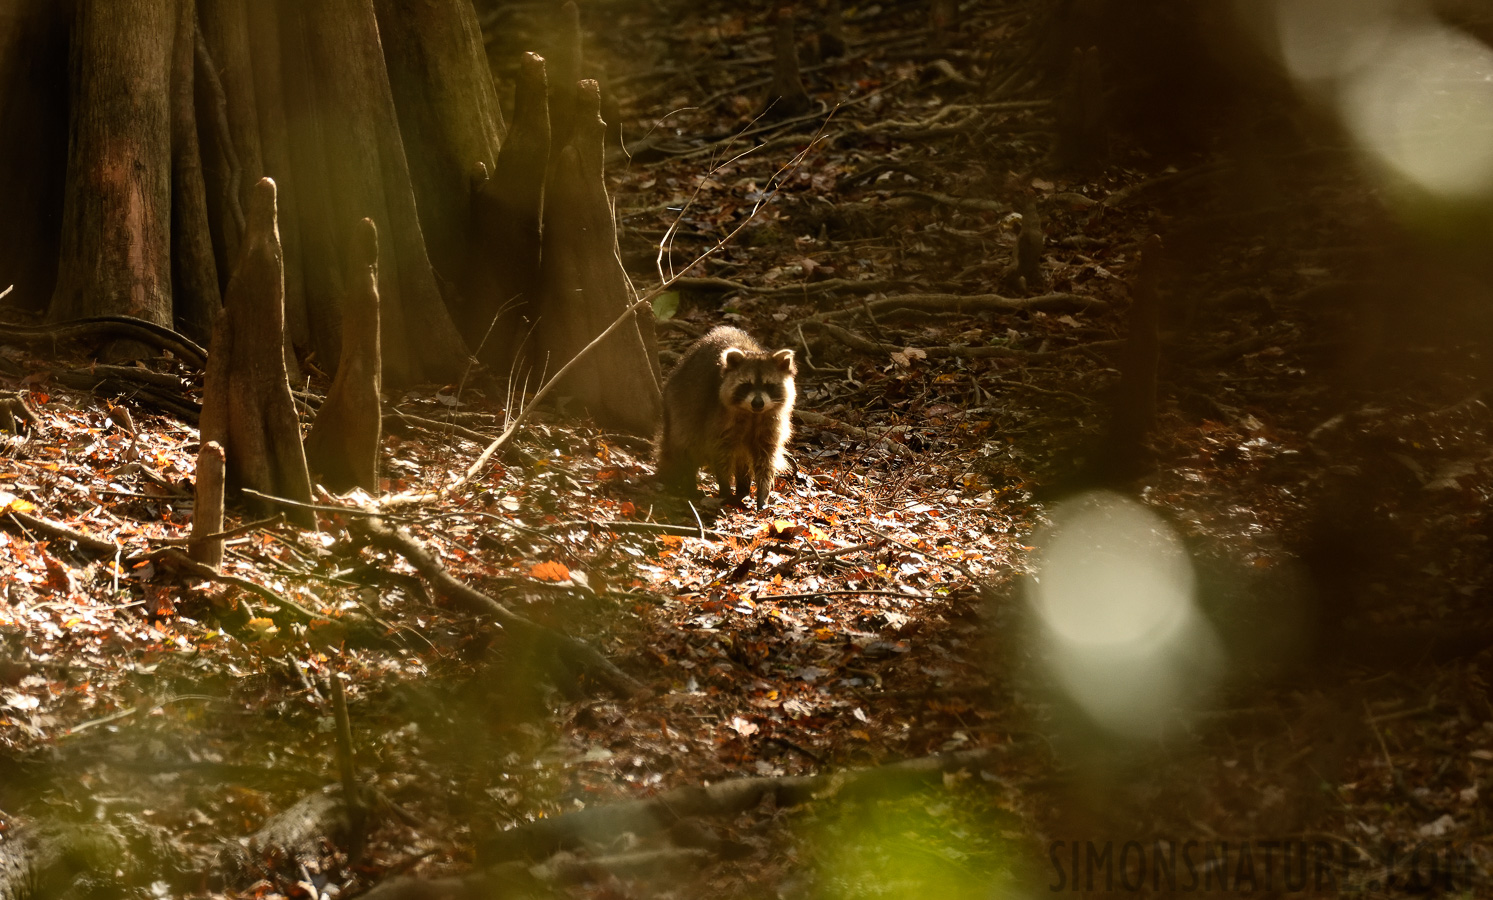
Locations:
(586, 287)
(786, 96)
(246, 403)
(1134, 410)
(564, 74)
(448, 114)
(33, 146)
(274, 144)
(369, 178)
(502, 283)
(321, 274)
(115, 253)
(343, 444)
(196, 295)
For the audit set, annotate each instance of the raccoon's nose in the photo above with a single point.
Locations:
(757, 404)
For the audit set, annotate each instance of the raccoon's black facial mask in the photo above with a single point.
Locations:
(755, 382)
(757, 395)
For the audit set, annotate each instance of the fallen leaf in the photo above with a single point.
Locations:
(784, 530)
(550, 571)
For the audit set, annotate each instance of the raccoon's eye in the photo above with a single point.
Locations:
(774, 390)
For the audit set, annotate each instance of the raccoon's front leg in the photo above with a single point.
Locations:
(763, 473)
(722, 472)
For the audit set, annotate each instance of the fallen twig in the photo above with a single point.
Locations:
(880, 441)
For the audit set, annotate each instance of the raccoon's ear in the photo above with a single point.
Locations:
(732, 356)
(784, 359)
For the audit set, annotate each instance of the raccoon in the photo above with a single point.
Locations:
(726, 407)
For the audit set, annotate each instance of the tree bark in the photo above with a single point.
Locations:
(246, 404)
(115, 252)
(343, 444)
(225, 29)
(197, 299)
(33, 146)
(501, 287)
(586, 287)
(786, 96)
(1134, 410)
(308, 159)
(448, 114)
(369, 178)
(564, 73)
(274, 143)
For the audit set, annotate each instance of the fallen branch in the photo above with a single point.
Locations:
(879, 441)
(123, 381)
(572, 658)
(866, 345)
(177, 559)
(972, 204)
(437, 427)
(970, 303)
(59, 531)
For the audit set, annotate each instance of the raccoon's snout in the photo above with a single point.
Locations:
(757, 403)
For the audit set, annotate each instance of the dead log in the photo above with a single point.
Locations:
(197, 296)
(586, 288)
(448, 113)
(116, 221)
(207, 507)
(786, 96)
(569, 660)
(502, 289)
(246, 402)
(343, 444)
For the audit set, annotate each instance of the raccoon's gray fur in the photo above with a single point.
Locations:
(726, 407)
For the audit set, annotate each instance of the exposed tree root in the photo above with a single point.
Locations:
(38, 862)
(642, 818)
(289, 838)
(101, 328)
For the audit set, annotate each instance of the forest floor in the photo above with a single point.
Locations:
(1321, 450)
